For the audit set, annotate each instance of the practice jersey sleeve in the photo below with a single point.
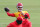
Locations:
(11, 14)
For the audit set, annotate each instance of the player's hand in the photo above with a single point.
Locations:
(6, 9)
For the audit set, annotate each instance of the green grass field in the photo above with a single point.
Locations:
(32, 6)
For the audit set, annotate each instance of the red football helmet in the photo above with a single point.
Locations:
(19, 18)
(19, 5)
(26, 15)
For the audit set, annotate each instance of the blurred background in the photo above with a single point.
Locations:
(32, 6)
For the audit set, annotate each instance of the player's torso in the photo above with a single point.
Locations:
(19, 14)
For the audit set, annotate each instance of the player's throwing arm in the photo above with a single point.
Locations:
(9, 14)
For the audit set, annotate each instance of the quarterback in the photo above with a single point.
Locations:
(17, 14)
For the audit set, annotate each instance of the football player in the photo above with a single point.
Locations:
(17, 14)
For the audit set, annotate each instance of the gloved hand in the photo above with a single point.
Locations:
(6, 9)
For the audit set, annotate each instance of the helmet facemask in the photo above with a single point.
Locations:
(19, 22)
(20, 8)
(26, 16)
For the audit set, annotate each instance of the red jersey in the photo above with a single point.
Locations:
(26, 23)
(14, 24)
